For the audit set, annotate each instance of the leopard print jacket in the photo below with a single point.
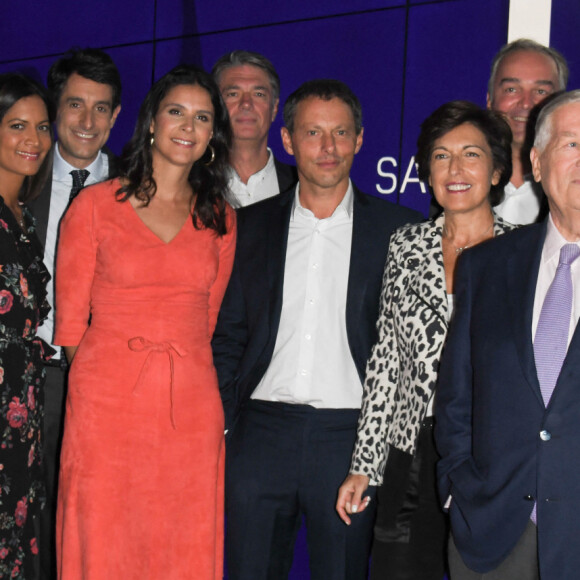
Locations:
(402, 370)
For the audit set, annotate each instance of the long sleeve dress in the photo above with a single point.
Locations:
(23, 306)
(141, 476)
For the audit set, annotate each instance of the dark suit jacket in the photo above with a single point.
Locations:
(490, 414)
(40, 206)
(248, 323)
(287, 175)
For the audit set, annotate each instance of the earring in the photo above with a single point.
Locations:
(212, 155)
(152, 140)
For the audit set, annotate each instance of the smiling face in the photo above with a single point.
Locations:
(84, 120)
(461, 169)
(247, 93)
(524, 78)
(558, 168)
(182, 127)
(24, 138)
(324, 143)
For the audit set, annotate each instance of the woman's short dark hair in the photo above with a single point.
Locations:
(16, 86)
(494, 128)
(208, 180)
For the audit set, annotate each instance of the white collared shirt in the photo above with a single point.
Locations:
(261, 185)
(548, 265)
(521, 205)
(312, 363)
(59, 199)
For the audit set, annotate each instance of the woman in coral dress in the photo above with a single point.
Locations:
(143, 263)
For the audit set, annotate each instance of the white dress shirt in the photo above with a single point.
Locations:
(261, 185)
(312, 363)
(521, 205)
(548, 265)
(59, 199)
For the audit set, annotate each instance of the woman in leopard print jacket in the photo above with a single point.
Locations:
(464, 153)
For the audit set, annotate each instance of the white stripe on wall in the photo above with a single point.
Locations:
(530, 19)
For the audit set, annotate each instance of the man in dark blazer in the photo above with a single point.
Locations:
(508, 404)
(293, 336)
(86, 87)
(250, 87)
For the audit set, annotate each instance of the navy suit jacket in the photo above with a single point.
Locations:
(501, 448)
(40, 206)
(286, 174)
(247, 327)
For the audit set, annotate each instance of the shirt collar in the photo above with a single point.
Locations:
(344, 208)
(61, 169)
(259, 175)
(553, 242)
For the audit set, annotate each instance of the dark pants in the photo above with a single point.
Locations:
(411, 529)
(520, 564)
(54, 400)
(283, 462)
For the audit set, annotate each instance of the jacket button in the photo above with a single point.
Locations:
(529, 497)
(545, 435)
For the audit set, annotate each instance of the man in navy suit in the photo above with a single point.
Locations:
(294, 333)
(86, 87)
(508, 434)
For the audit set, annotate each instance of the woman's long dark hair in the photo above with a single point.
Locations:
(16, 86)
(208, 181)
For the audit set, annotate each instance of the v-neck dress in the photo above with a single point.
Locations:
(141, 474)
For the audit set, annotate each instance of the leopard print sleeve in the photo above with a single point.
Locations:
(369, 455)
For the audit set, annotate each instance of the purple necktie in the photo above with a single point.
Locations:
(551, 341)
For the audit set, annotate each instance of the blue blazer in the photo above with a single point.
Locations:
(245, 336)
(501, 448)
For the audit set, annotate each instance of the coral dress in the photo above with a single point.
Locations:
(141, 474)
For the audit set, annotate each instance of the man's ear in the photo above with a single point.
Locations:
(287, 141)
(114, 116)
(536, 165)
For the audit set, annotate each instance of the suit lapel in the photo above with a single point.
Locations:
(361, 246)
(522, 275)
(277, 240)
(40, 209)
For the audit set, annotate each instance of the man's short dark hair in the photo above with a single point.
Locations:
(90, 63)
(325, 89)
(491, 124)
(528, 45)
(246, 57)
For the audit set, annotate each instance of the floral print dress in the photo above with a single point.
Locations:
(23, 306)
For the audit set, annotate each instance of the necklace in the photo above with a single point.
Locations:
(459, 249)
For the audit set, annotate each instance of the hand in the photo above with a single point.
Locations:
(350, 500)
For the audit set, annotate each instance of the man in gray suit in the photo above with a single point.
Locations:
(250, 88)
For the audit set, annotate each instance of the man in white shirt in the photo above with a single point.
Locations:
(86, 87)
(250, 87)
(294, 333)
(508, 402)
(523, 74)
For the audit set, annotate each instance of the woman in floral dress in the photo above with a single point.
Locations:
(25, 141)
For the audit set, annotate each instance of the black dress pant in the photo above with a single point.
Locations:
(284, 462)
(411, 528)
(53, 422)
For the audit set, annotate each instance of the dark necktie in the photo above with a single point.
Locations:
(79, 176)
